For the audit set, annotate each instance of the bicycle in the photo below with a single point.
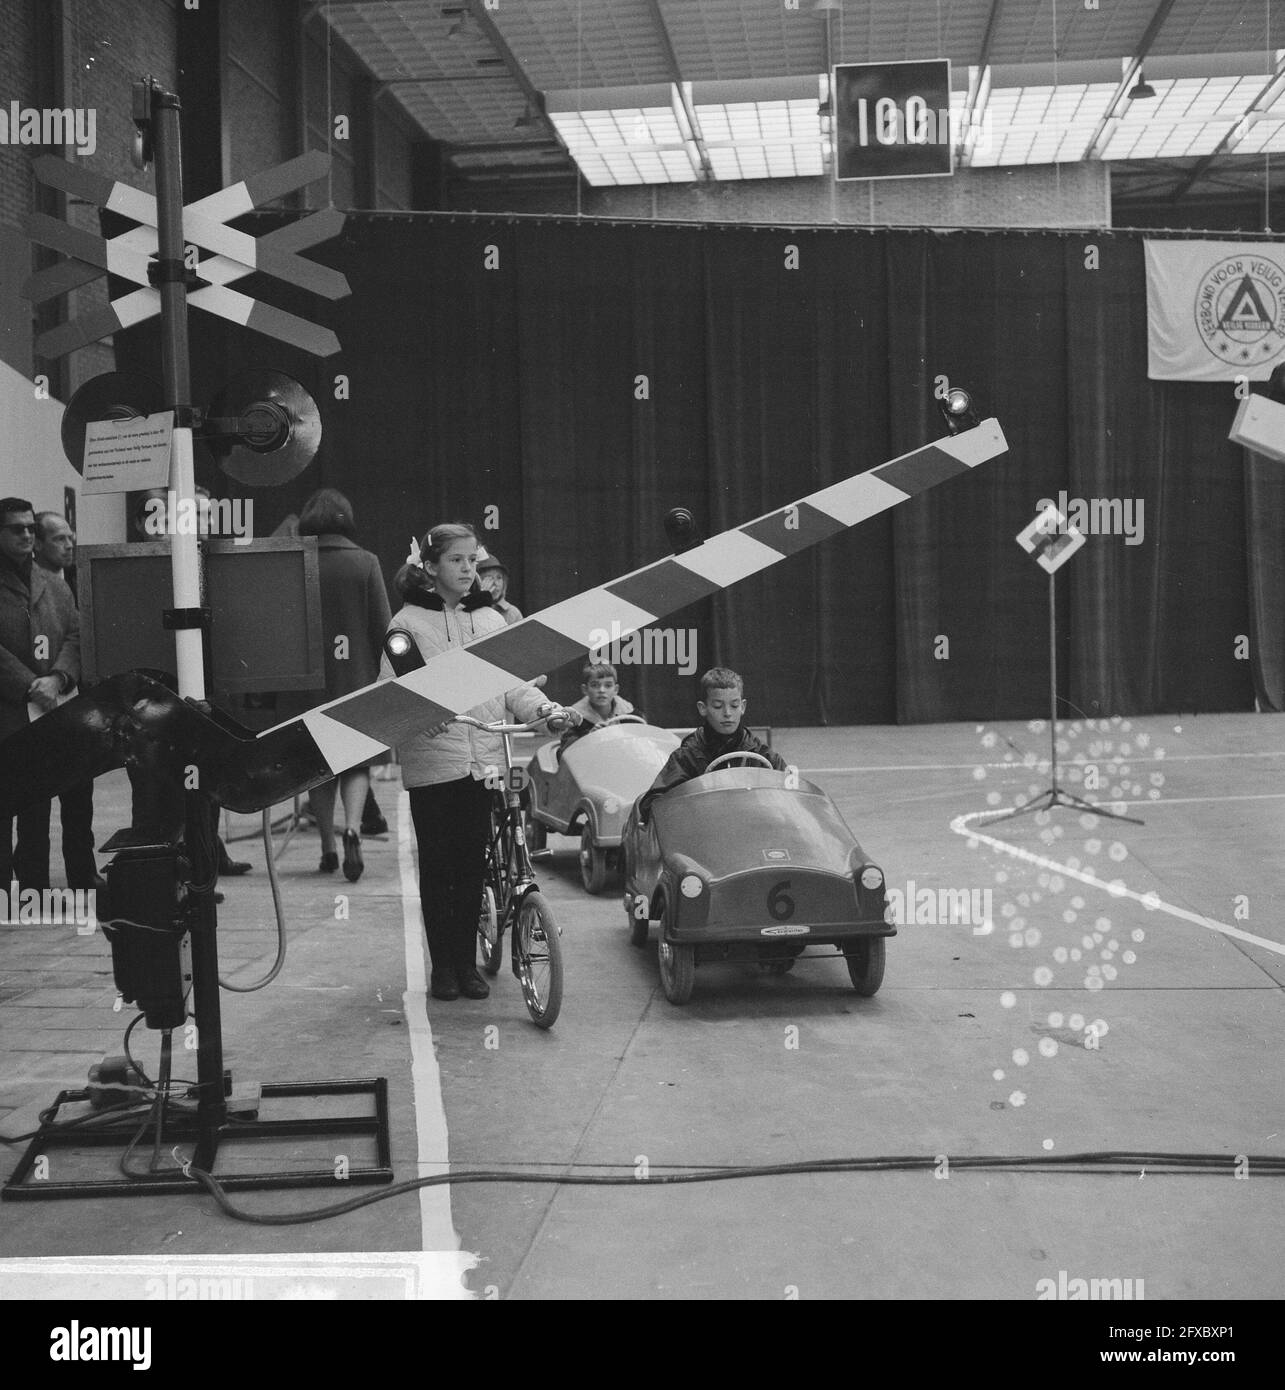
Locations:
(511, 897)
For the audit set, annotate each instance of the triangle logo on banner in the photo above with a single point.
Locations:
(1246, 310)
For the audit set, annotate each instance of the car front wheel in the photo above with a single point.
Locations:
(677, 965)
(865, 964)
(593, 862)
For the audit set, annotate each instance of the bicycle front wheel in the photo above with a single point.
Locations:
(537, 954)
(488, 932)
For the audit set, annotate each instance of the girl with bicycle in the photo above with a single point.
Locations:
(445, 768)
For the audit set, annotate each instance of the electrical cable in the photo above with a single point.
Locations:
(129, 1056)
(111, 1112)
(277, 909)
(1106, 1162)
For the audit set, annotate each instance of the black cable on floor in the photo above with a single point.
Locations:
(1107, 1162)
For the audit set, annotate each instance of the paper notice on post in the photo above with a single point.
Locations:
(128, 455)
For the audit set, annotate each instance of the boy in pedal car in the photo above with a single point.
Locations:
(600, 701)
(721, 709)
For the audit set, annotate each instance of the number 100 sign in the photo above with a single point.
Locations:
(892, 120)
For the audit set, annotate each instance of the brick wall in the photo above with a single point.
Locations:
(1067, 195)
(113, 44)
(109, 45)
(261, 83)
(17, 83)
(393, 138)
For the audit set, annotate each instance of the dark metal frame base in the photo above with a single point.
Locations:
(191, 1127)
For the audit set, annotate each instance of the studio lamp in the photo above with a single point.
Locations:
(958, 410)
(680, 530)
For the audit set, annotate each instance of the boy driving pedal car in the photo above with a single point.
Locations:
(600, 701)
(720, 732)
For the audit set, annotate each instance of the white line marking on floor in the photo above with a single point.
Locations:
(437, 1227)
(1133, 759)
(960, 825)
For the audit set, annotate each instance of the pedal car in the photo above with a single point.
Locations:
(591, 789)
(747, 863)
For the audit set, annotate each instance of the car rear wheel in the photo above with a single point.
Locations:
(677, 966)
(865, 964)
(593, 862)
(638, 926)
(778, 967)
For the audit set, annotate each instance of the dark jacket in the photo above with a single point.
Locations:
(354, 604)
(694, 755)
(46, 609)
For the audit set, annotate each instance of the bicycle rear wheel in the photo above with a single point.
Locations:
(537, 954)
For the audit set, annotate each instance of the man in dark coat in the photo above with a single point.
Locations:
(56, 554)
(721, 731)
(39, 662)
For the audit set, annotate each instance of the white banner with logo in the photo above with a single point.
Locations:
(1215, 310)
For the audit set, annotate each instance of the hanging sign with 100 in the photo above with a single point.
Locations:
(892, 120)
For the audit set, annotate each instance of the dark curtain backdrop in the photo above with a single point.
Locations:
(569, 382)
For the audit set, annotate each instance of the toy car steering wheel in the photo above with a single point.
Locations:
(724, 758)
(623, 719)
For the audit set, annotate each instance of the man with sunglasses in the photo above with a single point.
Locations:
(39, 661)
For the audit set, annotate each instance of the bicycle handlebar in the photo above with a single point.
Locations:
(502, 728)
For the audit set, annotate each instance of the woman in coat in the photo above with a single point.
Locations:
(354, 617)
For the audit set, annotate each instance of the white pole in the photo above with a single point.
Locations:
(185, 565)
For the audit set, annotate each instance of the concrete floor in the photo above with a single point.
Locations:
(970, 1048)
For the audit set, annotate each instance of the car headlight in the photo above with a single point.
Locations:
(691, 886)
(871, 877)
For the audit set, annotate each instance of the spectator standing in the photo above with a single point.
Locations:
(39, 662)
(493, 576)
(354, 618)
(55, 553)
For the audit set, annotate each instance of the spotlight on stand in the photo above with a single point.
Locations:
(264, 428)
(112, 396)
(958, 410)
(403, 654)
(680, 530)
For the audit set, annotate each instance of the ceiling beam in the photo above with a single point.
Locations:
(975, 89)
(706, 169)
(535, 102)
(1098, 141)
(1273, 88)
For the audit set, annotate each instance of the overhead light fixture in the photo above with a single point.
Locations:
(1141, 90)
(958, 410)
(822, 6)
